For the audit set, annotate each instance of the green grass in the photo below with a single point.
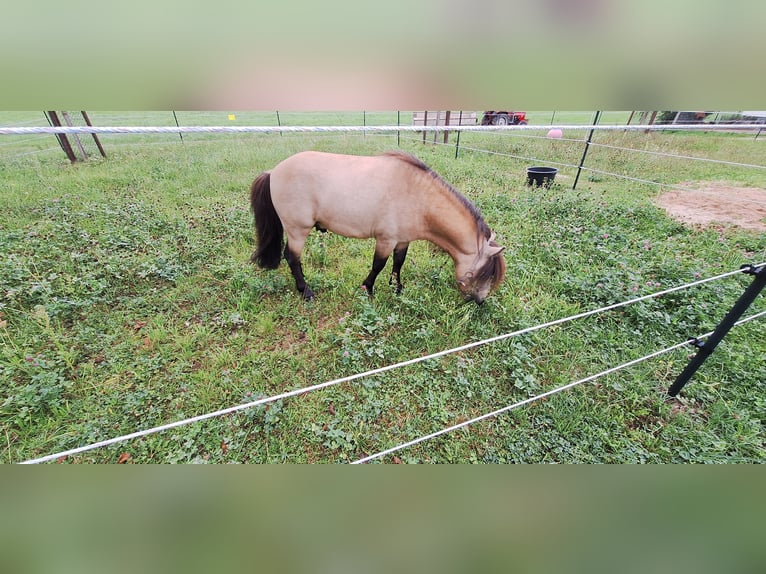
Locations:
(127, 301)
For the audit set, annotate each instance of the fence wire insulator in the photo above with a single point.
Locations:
(696, 342)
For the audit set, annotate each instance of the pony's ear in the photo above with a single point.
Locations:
(493, 249)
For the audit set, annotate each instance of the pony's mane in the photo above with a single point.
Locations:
(417, 164)
(494, 268)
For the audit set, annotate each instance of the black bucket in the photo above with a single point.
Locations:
(541, 176)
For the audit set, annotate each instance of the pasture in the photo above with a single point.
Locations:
(127, 301)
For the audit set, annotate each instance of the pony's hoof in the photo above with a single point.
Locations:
(367, 290)
(307, 294)
(395, 281)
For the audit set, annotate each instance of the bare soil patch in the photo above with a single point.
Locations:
(715, 202)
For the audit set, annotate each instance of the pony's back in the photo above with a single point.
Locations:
(354, 196)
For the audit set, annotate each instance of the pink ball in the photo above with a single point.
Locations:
(555, 133)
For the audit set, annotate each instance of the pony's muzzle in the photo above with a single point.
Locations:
(467, 298)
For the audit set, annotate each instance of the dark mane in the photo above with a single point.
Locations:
(416, 163)
(493, 269)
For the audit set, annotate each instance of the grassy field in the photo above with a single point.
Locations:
(127, 301)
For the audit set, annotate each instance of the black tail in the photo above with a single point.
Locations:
(268, 226)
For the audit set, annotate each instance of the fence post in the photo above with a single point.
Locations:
(436, 125)
(585, 151)
(740, 306)
(53, 119)
(75, 137)
(180, 134)
(95, 137)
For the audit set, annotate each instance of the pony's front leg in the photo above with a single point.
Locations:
(378, 263)
(400, 254)
(294, 261)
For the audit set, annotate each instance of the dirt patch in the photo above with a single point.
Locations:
(706, 203)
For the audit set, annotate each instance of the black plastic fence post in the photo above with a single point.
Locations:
(585, 151)
(704, 350)
(457, 143)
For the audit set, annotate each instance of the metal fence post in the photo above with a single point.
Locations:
(180, 134)
(53, 119)
(585, 151)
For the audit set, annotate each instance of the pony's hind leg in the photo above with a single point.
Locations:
(400, 254)
(294, 261)
(293, 250)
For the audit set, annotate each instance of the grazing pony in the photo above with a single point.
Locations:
(394, 198)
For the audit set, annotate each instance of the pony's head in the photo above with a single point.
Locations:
(484, 274)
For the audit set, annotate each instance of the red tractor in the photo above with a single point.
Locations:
(492, 118)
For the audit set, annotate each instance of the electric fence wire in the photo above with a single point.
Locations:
(678, 156)
(357, 128)
(377, 371)
(545, 394)
(600, 171)
(377, 129)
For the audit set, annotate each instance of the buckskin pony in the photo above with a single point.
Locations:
(394, 198)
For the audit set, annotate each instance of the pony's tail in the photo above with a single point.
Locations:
(268, 226)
